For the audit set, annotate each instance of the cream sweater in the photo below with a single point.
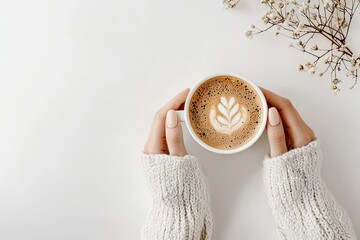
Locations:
(301, 204)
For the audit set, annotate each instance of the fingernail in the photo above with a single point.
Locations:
(186, 89)
(171, 119)
(274, 118)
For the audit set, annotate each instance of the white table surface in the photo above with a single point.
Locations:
(80, 82)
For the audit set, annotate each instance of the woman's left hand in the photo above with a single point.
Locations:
(166, 135)
(285, 128)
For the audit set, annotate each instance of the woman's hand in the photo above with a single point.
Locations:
(166, 136)
(285, 128)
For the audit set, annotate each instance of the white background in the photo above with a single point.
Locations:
(80, 81)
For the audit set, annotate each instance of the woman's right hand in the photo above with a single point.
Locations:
(285, 128)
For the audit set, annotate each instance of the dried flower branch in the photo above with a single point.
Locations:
(301, 21)
(229, 3)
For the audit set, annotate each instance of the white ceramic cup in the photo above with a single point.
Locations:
(183, 115)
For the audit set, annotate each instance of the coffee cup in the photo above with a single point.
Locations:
(225, 113)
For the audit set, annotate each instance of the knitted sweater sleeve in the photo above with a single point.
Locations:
(302, 205)
(180, 208)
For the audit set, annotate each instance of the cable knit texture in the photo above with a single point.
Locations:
(180, 208)
(302, 205)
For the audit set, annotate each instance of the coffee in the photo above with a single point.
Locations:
(225, 112)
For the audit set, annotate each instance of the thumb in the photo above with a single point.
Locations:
(174, 135)
(275, 133)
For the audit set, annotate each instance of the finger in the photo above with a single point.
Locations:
(174, 135)
(288, 113)
(176, 101)
(282, 104)
(156, 140)
(158, 127)
(300, 133)
(276, 134)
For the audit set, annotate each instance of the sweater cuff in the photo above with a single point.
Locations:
(289, 176)
(299, 162)
(171, 177)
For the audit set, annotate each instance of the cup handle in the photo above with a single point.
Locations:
(180, 115)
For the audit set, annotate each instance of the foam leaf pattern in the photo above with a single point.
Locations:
(234, 110)
(223, 101)
(235, 119)
(222, 120)
(222, 109)
(231, 101)
(227, 116)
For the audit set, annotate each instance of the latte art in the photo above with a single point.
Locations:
(225, 112)
(229, 117)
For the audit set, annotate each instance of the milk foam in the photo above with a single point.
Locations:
(225, 112)
(228, 117)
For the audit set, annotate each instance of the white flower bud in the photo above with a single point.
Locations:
(314, 47)
(312, 70)
(249, 34)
